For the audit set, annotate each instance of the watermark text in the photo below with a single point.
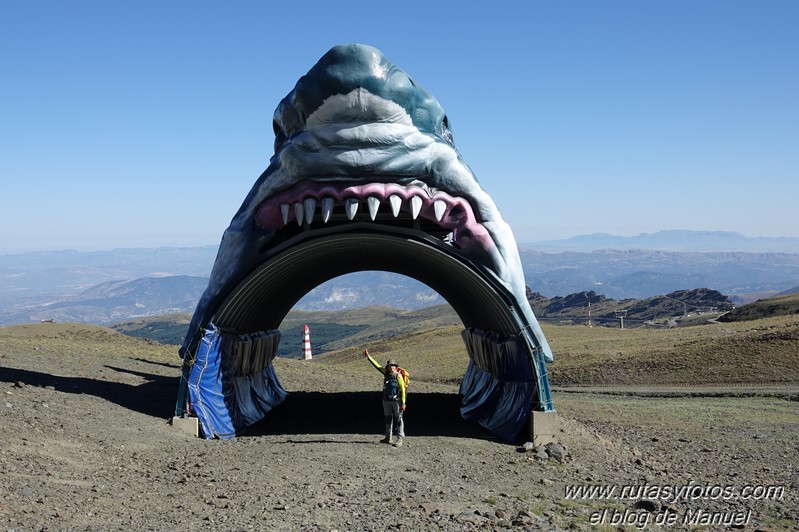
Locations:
(674, 492)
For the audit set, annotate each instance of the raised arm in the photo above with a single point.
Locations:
(374, 362)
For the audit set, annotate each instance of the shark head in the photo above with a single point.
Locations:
(358, 139)
(362, 70)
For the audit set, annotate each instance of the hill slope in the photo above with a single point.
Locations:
(330, 330)
(763, 352)
(337, 330)
(765, 308)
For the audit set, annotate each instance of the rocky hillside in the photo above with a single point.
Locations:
(765, 308)
(667, 309)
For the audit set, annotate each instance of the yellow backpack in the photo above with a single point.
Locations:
(405, 376)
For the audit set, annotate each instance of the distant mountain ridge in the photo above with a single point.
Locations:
(119, 300)
(672, 240)
(109, 286)
(638, 274)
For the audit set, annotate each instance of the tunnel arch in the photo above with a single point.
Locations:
(503, 381)
(264, 297)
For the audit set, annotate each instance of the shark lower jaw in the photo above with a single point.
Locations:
(413, 206)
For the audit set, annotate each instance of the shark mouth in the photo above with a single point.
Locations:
(415, 206)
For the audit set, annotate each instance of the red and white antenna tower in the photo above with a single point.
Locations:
(306, 343)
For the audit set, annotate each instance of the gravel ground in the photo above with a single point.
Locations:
(85, 445)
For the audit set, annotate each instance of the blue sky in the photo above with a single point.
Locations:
(144, 124)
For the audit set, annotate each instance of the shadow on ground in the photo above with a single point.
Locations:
(156, 397)
(428, 414)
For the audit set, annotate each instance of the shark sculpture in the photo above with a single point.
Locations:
(358, 139)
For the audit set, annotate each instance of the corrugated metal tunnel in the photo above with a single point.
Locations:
(264, 297)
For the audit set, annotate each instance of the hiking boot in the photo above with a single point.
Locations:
(385, 440)
(398, 443)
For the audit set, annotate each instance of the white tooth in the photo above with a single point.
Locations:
(284, 210)
(439, 207)
(327, 208)
(351, 207)
(416, 206)
(374, 204)
(298, 212)
(396, 203)
(310, 206)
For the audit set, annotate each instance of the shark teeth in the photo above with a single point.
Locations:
(351, 207)
(284, 211)
(438, 208)
(416, 206)
(305, 210)
(373, 204)
(396, 203)
(327, 209)
(310, 207)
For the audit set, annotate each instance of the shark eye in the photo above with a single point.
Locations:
(446, 132)
(280, 135)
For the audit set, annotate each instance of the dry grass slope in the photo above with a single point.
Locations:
(765, 308)
(762, 351)
(436, 355)
(80, 339)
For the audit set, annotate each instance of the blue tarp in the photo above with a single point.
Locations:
(498, 388)
(232, 383)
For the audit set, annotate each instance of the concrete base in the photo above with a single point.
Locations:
(190, 425)
(543, 428)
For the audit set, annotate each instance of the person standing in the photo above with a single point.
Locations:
(393, 399)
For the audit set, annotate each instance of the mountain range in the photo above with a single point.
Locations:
(673, 240)
(110, 286)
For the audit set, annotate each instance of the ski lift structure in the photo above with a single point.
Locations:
(620, 315)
